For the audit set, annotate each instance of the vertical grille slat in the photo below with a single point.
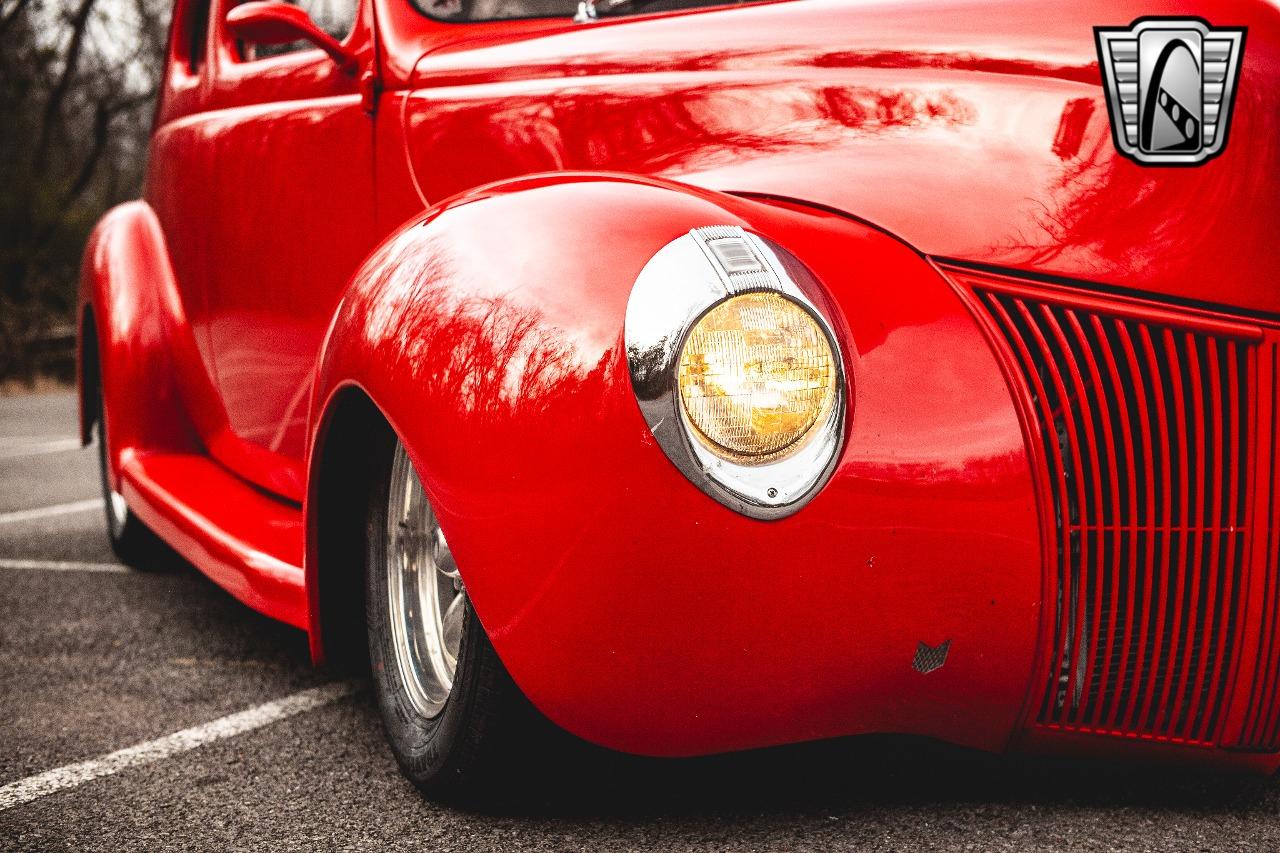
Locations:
(1261, 730)
(1141, 571)
(1183, 572)
(1004, 315)
(1125, 544)
(1161, 549)
(1089, 488)
(1225, 611)
(1191, 629)
(1075, 613)
(1108, 568)
(1145, 427)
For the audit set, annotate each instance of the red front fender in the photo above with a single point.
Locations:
(631, 608)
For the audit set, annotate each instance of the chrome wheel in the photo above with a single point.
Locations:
(424, 592)
(118, 509)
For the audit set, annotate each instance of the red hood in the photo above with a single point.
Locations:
(974, 131)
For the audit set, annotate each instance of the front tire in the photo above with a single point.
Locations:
(456, 723)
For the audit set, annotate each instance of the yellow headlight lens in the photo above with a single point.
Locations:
(756, 374)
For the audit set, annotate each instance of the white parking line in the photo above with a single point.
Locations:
(61, 566)
(50, 511)
(71, 775)
(39, 448)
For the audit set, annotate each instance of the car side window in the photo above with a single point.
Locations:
(335, 17)
(190, 33)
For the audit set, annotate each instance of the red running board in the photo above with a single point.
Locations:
(246, 541)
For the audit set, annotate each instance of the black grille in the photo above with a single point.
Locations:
(1145, 430)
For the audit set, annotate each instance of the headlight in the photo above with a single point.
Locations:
(756, 374)
(737, 372)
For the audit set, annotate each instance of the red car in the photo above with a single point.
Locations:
(776, 372)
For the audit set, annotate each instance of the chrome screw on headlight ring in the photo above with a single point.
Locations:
(737, 372)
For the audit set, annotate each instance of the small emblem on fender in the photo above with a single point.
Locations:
(1170, 84)
(928, 658)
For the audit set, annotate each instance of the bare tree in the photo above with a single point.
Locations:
(76, 83)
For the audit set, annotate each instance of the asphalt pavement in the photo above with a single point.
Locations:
(99, 661)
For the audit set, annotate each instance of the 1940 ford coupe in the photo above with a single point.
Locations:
(708, 377)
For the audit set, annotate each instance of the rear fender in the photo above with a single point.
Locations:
(135, 337)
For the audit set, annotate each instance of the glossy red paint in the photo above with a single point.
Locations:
(457, 254)
(896, 112)
(245, 541)
(265, 198)
(167, 422)
(911, 542)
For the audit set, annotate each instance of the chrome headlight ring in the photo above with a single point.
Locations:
(679, 285)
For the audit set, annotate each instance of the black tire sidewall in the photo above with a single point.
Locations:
(115, 530)
(133, 543)
(433, 752)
